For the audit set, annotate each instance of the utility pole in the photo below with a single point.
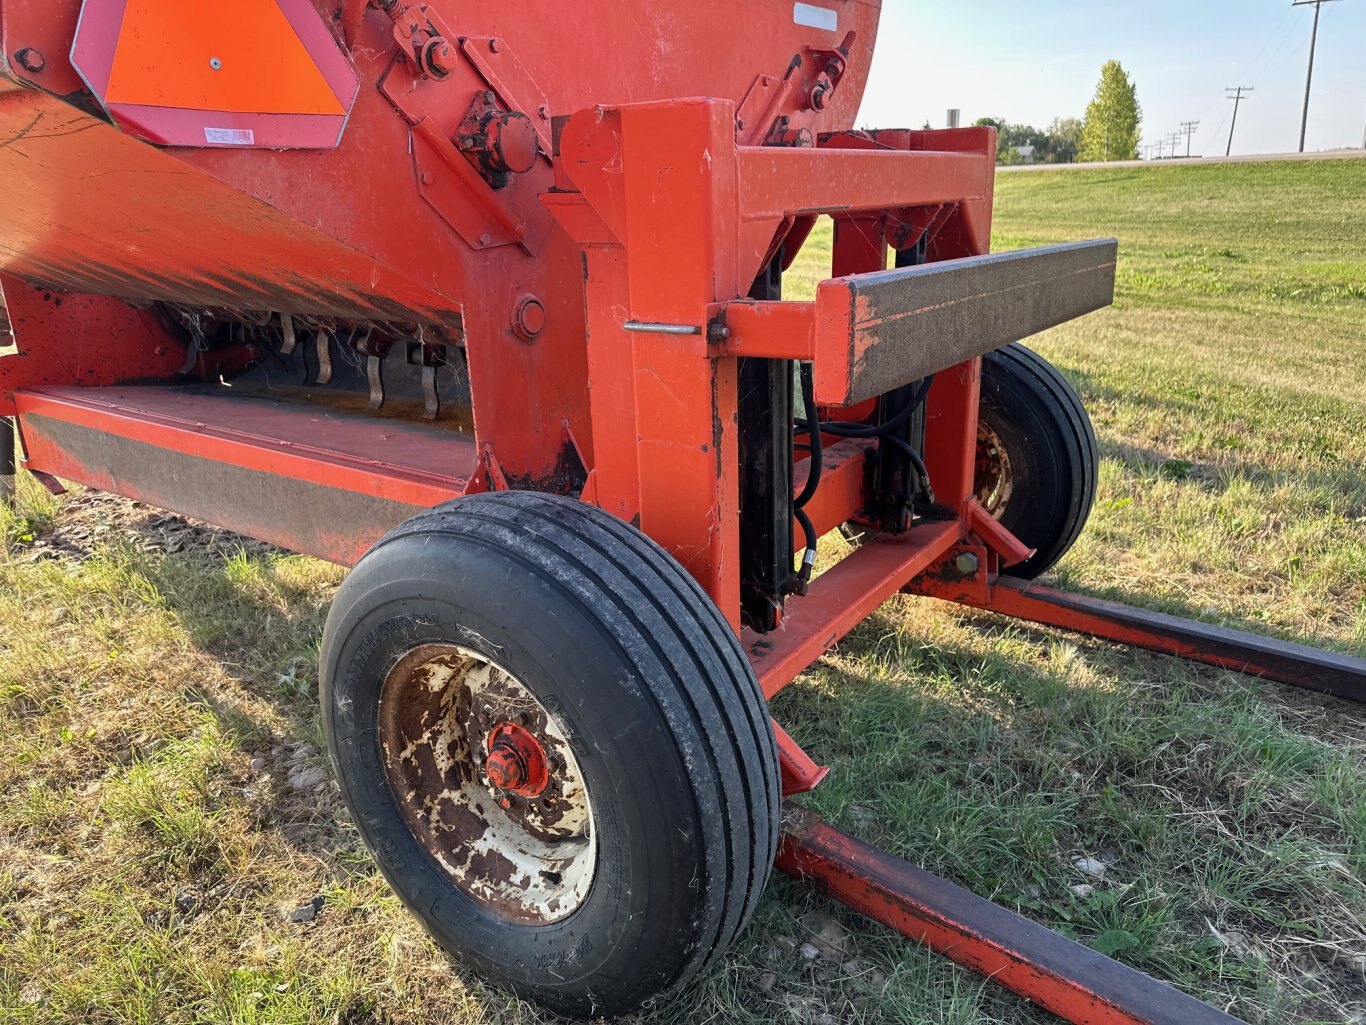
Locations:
(1235, 93)
(1313, 45)
(1189, 128)
(1174, 140)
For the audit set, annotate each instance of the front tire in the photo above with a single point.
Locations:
(554, 746)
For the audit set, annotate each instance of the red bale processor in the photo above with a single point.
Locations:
(486, 301)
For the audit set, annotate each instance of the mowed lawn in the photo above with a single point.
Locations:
(172, 850)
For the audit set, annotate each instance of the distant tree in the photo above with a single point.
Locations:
(1010, 138)
(1064, 140)
(1112, 120)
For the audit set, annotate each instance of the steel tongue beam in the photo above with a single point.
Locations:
(1298, 665)
(1064, 977)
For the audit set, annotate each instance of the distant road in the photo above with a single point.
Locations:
(1260, 158)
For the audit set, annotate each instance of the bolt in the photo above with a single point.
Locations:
(496, 44)
(490, 96)
(528, 320)
(31, 60)
(485, 240)
(544, 112)
(427, 177)
(740, 123)
(216, 64)
(967, 563)
(717, 332)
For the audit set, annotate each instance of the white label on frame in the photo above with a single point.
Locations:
(816, 17)
(230, 136)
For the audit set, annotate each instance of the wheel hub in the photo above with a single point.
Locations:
(993, 478)
(516, 761)
(486, 782)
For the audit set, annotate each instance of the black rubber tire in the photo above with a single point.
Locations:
(1051, 448)
(664, 715)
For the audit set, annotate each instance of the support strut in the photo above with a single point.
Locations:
(1046, 968)
(1284, 661)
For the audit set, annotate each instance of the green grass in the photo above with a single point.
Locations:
(147, 870)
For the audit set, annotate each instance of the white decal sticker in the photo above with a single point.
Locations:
(815, 17)
(230, 136)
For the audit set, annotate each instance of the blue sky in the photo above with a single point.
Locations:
(1033, 61)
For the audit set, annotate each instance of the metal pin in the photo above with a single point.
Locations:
(324, 344)
(196, 346)
(374, 372)
(287, 325)
(431, 401)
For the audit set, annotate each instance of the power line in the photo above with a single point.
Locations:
(1236, 94)
(1188, 128)
(1313, 45)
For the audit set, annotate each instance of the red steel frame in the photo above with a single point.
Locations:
(639, 233)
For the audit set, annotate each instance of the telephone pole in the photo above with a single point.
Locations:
(1236, 94)
(1313, 45)
(1174, 140)
(1189, 128)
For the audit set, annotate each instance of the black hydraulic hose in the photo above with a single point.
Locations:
(841, 430)
(918, 463)
(813, 425)
(813, 480)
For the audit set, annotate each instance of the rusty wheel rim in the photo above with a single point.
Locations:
(487, 784)
(993, 480)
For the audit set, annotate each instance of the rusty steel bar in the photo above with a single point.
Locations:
(1283, 661)
(1046, 968)
(876, 332)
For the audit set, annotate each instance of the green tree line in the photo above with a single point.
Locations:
(1110, 130)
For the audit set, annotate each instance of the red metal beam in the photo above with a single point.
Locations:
(1068, 979)
(843, 597)
(234, 461)
(1283, 661)
(778, 182)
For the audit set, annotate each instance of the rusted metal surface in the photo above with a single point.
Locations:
(486, 781)
(1296, 664)
(1054, 972)
(879, 331)
(994, 475)
(317, 481)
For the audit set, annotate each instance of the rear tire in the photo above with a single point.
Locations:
(543, 618)
(1036, 455)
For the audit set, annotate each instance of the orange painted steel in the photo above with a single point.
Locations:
(241, 56)
(565, 237)
(843, 597)
(1054, 972)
